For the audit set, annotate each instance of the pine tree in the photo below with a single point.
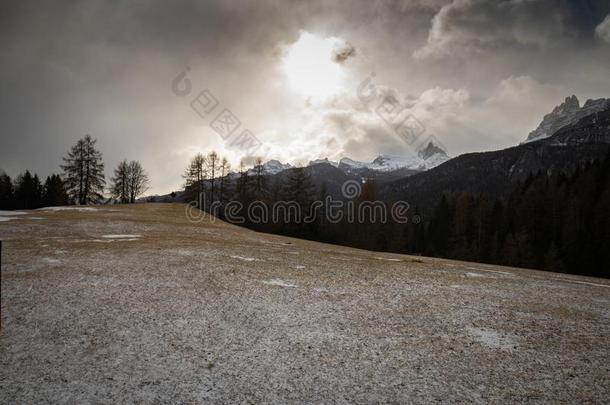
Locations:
(440, 228)
(7, 197)
(84, 172)
(552, 261)
(54, 191)
(299, 189)
(28, 191)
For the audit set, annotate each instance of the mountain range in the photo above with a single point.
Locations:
(427, 158)
(579, 135)
(568, 137)
(565, 114)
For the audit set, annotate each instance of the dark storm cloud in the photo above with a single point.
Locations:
(466, 26)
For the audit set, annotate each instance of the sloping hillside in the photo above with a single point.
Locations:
(495, 172)
(137, 304)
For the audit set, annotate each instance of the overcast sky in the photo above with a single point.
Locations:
(478, 75)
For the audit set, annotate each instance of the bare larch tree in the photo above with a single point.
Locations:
(84, 172)
(212, 167)
(225, 167)
(138, 180)
(120, 183)
(195, 173)
(129, 182)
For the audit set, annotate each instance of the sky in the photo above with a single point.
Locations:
(160, 81)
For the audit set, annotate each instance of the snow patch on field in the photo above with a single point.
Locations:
(504, 273)
(6, 219)
(50, 260)
(183, 252)
(491, 338)
(4, 213)
(278, 282)
(470, 274)
(299, 267)
(389, 259)
(245, 259)
(586, 283)
(108, 239)
(80, 209)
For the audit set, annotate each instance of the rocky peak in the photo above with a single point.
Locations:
(431, 150)
(273, 167)
(570, 104)
(325, 160)
(566, 113)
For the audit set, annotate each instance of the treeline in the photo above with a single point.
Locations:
(27, 191)
(551, 221)
(211, 185)
(82, 182)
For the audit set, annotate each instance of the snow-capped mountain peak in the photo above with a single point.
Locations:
(348, 164)
(275, 166)
(387, 163)
(427, 158)
(325, 160)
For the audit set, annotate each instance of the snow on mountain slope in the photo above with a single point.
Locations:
(270, 167)
(349, 164)
(325, 160)
(275, 166)
(427, 158)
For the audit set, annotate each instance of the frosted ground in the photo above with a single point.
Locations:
(136, 304)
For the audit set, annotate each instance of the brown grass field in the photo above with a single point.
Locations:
(137, 304)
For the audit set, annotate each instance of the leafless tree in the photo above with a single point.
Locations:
(138, 180)
(212, 167)
(258, 172)
(120, 182)
(129, 182)
(225, 167)
(196, 173)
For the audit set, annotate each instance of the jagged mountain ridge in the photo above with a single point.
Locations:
(567, 113)
(431, 156)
